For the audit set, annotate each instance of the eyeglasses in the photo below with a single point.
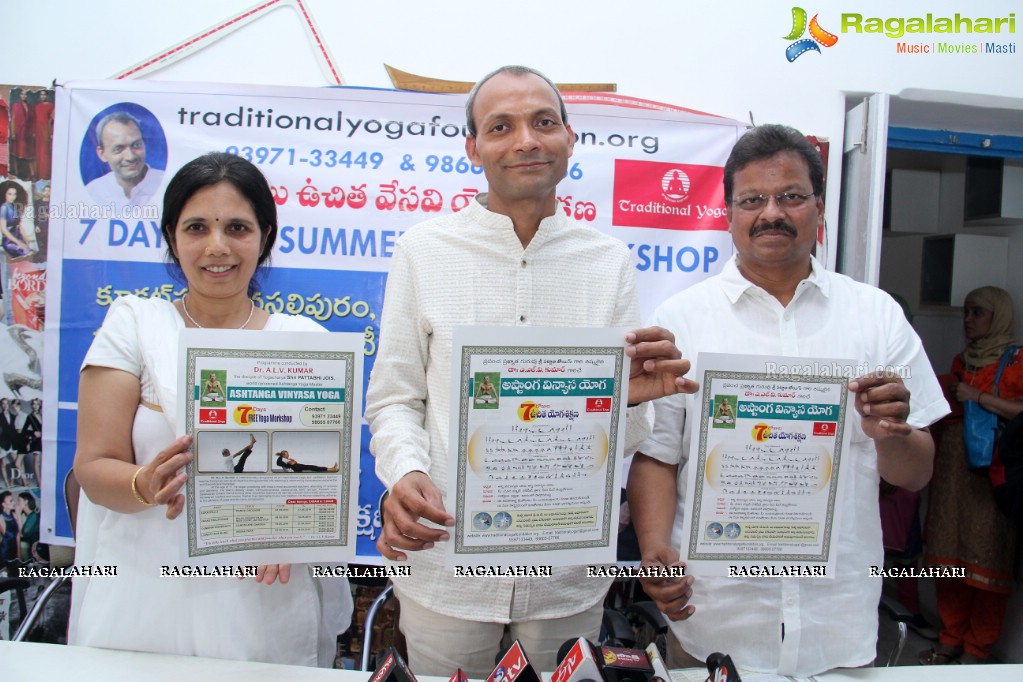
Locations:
(758, 202)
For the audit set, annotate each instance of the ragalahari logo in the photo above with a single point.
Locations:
(818, 36)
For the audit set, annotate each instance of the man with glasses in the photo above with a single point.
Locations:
(773, 298)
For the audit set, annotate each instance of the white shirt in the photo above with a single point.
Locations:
(828, 623)
(222, 618)
(469, 268)
(106, 191)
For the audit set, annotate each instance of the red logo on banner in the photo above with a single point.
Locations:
(670, 196)
(824, 428)
(209, 415)
(598, 404)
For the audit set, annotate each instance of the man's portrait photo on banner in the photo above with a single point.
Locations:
(123, 157)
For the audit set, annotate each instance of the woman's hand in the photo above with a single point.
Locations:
(965, 391)
(160, 481)
(270, 572)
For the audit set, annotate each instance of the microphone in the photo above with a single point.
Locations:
(626, 665)
(514, 667)
(393, 669)
(458, 676)
(580, 661)
(722, 669)
(577, 663)
(661, 673)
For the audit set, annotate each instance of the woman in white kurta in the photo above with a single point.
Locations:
(219, 222)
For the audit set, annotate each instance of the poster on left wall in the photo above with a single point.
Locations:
(26, 154)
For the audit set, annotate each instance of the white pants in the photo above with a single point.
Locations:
(439, 644)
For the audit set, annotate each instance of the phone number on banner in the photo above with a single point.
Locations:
(328, 158)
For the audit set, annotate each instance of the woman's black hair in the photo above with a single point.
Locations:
(21, 201)
(30, 498)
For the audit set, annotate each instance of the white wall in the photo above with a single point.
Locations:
(723, 58)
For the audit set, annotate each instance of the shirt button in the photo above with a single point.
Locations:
(522, 318)
(523, 262)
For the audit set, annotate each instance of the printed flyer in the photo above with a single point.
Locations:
(537, 431)
(765, 467)
(275, 423)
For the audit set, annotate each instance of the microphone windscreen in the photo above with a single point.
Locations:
(514, 667)
(579, 664)
(721, 668)
(626, 665)
(564, 649)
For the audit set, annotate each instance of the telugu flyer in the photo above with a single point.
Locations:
(537, 432)
(765, 466)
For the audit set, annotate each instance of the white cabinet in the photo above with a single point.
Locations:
(994, 191)
(912, 200)
(956, 264)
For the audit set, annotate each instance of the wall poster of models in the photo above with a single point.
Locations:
(26, 143)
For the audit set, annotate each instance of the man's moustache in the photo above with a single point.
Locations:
(764, 227)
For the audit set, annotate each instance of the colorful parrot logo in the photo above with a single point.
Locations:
(818, 36)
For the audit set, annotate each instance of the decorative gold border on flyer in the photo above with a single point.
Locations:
(701, 462)
(346, 442)
(611, 485)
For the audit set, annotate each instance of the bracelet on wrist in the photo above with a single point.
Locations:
(135, 488)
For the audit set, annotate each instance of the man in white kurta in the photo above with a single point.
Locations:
(774, 299)
(107, 191)
(510, 258)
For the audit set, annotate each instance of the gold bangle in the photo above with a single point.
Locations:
(135, 488)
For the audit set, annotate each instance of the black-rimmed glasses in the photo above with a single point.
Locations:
(758, 202)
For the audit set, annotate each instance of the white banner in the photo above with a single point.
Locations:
(351, 170)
